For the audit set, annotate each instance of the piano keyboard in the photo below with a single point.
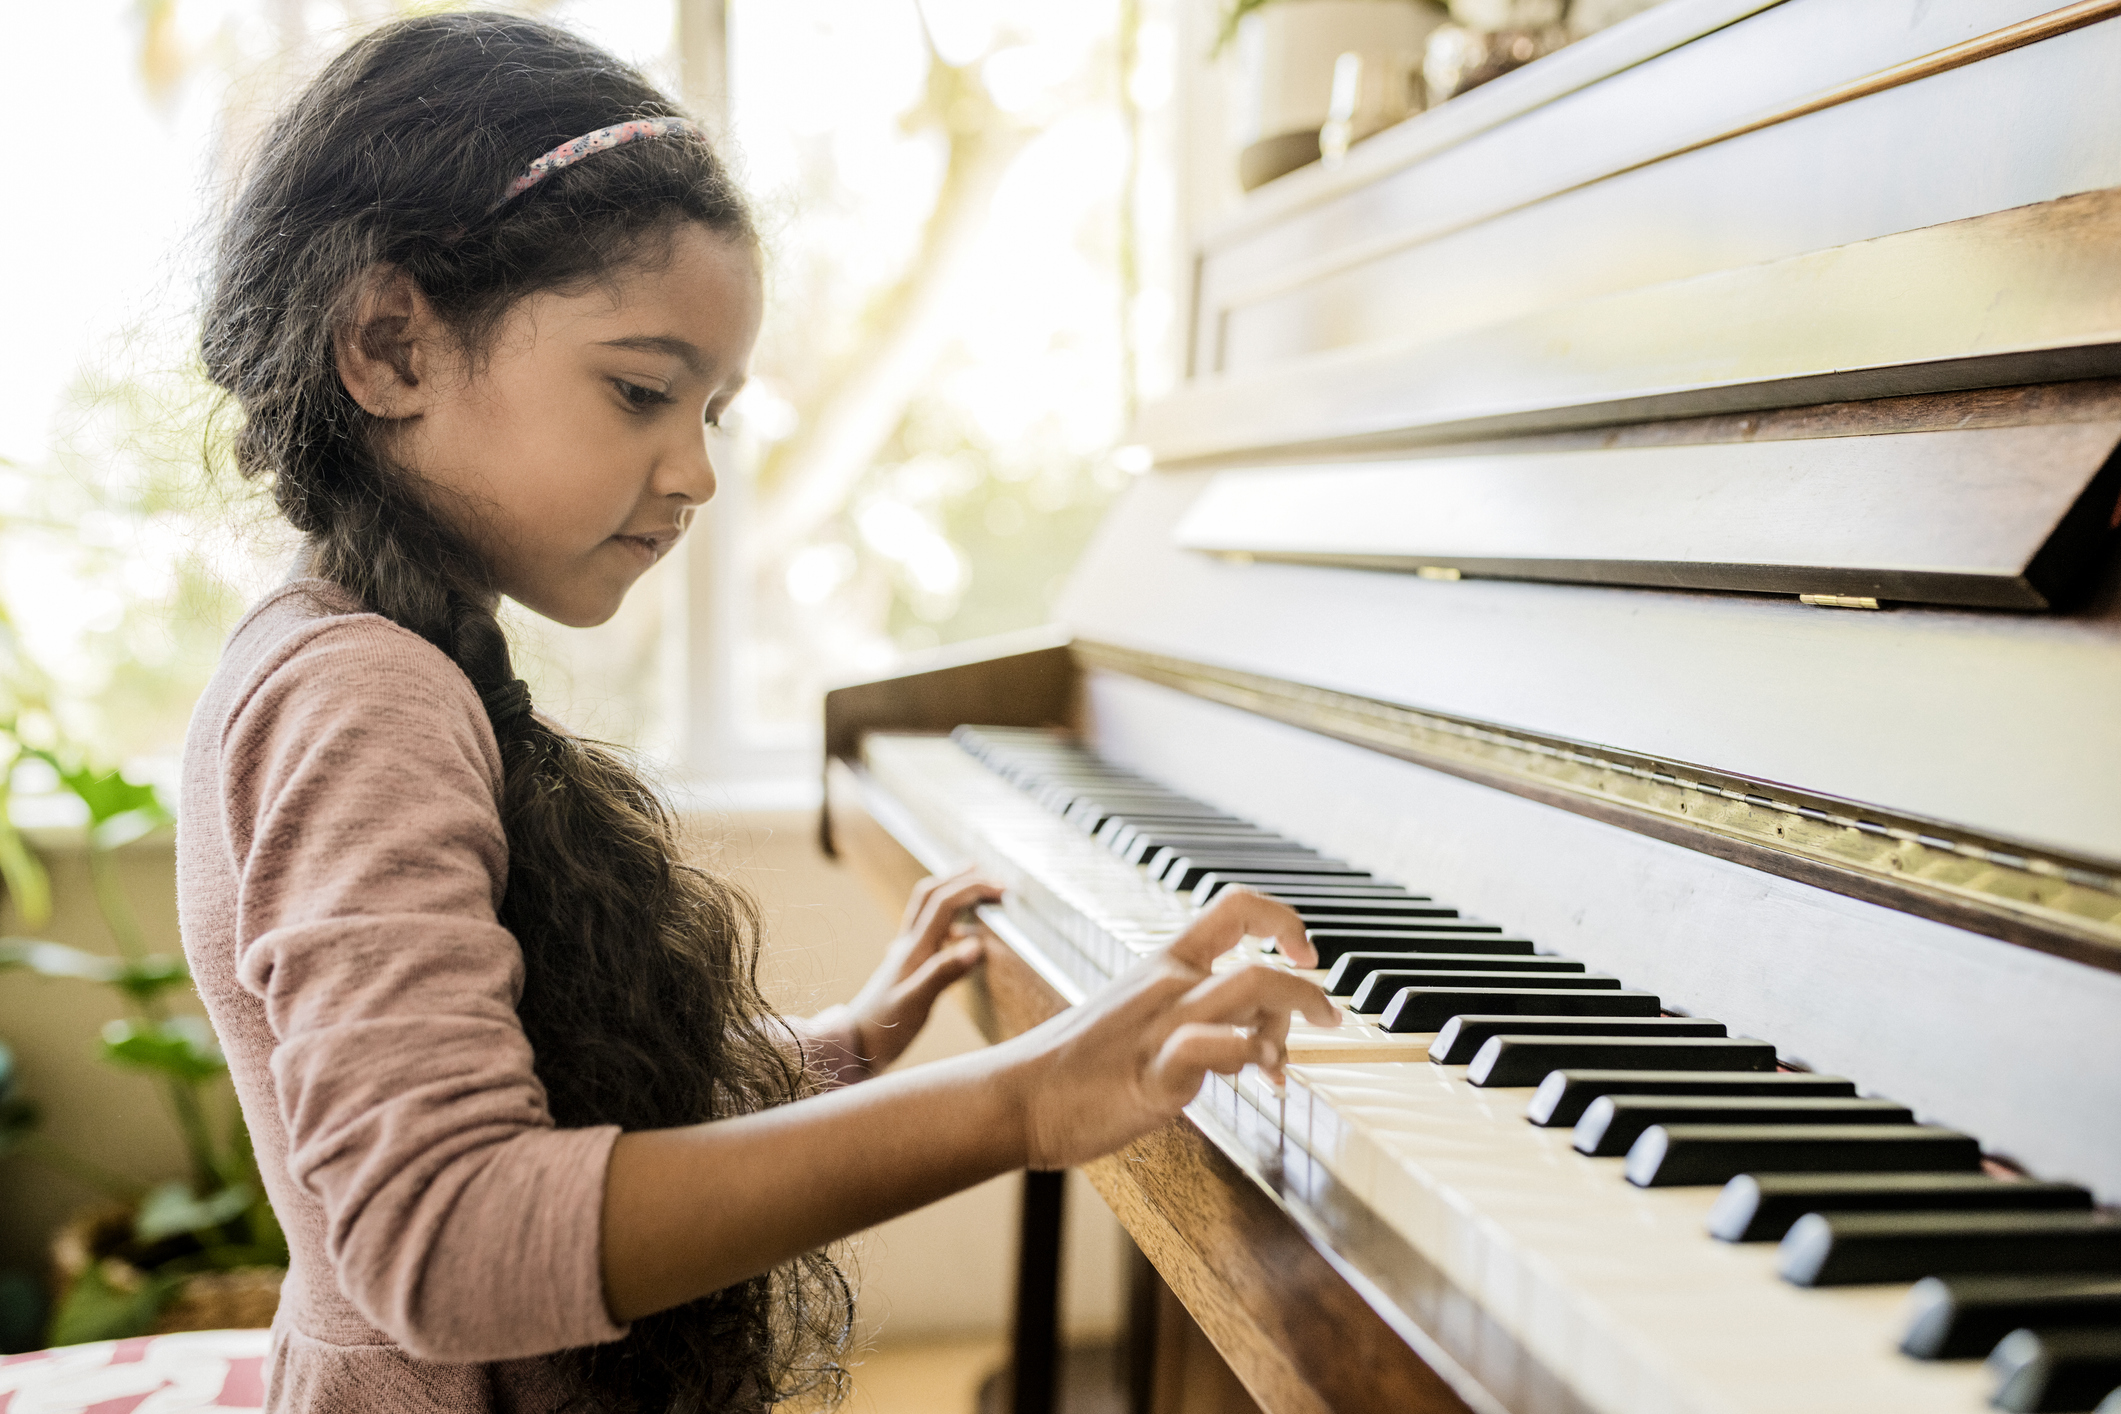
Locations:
(1585, 1233)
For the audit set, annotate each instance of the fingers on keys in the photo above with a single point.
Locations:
(1239, 913)
(937, 902)
(1257, 997)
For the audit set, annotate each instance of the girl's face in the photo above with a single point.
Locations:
(574, 455)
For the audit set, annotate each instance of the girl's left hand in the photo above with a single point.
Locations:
(931, 951)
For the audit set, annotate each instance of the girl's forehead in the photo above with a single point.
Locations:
(700, 302)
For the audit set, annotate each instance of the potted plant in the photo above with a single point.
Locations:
(1310, 66)
(198, 1252)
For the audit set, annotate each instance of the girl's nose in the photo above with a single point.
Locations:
(688, 475)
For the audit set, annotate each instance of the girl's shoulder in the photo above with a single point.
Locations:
(309, 661)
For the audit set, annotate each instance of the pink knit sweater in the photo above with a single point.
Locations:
(339, 862)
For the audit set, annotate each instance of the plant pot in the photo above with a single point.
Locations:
(237, 1299)
(1286, 55)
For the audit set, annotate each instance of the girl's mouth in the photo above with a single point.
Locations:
(650, 547)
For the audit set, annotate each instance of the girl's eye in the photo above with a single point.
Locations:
(638, 397)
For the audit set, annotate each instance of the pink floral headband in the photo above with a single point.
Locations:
(602, 140)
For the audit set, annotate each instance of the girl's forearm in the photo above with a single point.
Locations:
(690, 1211)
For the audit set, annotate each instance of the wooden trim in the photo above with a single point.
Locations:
(1995, 43)
(2003, 518)
(1015, 680)
(2068, 905)
(1915, 312)
(1985, 46)
(1571, 69)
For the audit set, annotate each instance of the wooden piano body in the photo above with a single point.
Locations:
(1473, 555)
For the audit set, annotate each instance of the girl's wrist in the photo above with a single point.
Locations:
(836, 1045)
(1023, 1073)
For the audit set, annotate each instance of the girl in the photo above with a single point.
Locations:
(536, 1138)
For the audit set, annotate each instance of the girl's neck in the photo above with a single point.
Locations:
(304, 566)
(304, 563)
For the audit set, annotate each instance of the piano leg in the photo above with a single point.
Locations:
(1146, 1294)
(1035, 1342)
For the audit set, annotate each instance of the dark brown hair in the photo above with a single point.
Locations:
(641, 999)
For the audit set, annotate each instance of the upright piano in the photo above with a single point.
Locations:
(1633, 561)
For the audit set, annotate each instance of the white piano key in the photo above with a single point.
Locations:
(1615, 1287)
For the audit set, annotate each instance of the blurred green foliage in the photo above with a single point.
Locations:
(217, 1216)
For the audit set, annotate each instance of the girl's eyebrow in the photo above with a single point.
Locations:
(663, 344)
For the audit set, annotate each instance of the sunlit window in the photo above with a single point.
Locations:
(968, 291)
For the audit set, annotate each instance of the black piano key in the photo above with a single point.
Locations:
(1407, 913)
(1189, 870)
(1842, 1249)
(1138, 846)
(1333, 945)
(1610, 1127)
(1962, 1318)
(1428, 1008)
(1294, 861)
(1112, 830)
(1500, 1049)
(1375, 992)
(1169, 866)
(1133, 840)
(1351, 967)
(1669, 1155)
(1116, 797)
(1125, 829)
(1114, 815)
(2061, 1370)
(1397, 905)
(1123, 815)
(1096, 818)
(1389, 924)
(1255, 878)
(1760, 1207)
(1207, 891)
(1564, 1094)
(1161, 852)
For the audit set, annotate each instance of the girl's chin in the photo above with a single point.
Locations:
(584, 607)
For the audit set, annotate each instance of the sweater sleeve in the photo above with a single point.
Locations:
(361, 800)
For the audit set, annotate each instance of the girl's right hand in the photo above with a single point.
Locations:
(1131, 1057)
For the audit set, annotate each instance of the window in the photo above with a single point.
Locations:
(957, 200)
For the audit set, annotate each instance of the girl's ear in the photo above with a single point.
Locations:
(387, 346)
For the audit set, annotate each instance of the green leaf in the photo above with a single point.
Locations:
(182, 1047)
(58, 960)
(127, 826)
(170, 1209)
(151, 976)
(95, 1308)
(21, 872)
(142, 980)
(109, 796)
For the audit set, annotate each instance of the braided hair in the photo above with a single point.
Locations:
(641, 999)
